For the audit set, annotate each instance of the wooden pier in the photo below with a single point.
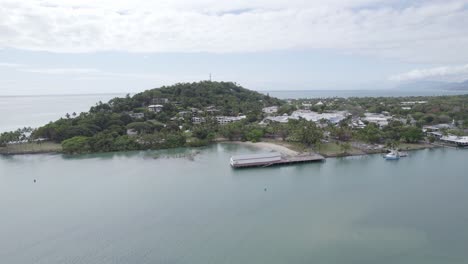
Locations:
(272, 159)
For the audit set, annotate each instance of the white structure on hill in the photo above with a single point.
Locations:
(198, 120)
(155, 108)
(222, 120)
(333, 117)
(270, 110)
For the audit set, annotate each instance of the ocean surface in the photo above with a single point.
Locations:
(359, 93)
(37, 110)
(153, 207)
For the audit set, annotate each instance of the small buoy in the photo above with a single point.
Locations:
(34, 180)
(265, 189)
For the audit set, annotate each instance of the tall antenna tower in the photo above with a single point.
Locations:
(210, 76)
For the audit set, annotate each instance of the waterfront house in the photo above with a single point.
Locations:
(455, 140)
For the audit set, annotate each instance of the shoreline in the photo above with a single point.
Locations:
(282, 147)
(267, 146)
(31, 149)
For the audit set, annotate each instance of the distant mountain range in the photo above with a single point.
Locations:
(434, 85)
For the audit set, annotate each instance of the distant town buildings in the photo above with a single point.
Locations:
(413, 102)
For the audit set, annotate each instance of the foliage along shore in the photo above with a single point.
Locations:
(196, 114)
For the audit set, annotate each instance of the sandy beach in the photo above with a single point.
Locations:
(269, 147)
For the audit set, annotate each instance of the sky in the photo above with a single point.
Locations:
(123, 46)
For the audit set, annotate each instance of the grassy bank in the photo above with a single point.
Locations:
(31, 148)
(332, 149)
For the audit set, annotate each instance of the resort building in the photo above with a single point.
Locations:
(332, 117)
(270, 110)
(378, 119)
(280, 119)
(437, 127)
(357, 123)
(455, 140)
(435, 134)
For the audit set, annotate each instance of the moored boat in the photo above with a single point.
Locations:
(393, 155)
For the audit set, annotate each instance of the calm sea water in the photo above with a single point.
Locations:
(133, 208)
(34, 111)
(359, 93)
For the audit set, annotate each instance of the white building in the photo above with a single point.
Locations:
(333, 117)
(155, 108)
(459, 141)
(280, 119)
(198, 120)
(132, 132)
(378, 119)
(222, 120)
(436, 127)
(137, 115)
(270, 110)
(413, 102)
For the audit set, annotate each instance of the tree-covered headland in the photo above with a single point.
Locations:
(196, 114)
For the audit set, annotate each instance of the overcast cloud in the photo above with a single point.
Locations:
(427, 31)
(445, 73)
(87, 46)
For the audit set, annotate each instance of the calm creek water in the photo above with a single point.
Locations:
(133, 208)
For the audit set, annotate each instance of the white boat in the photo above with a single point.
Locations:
(393, 155)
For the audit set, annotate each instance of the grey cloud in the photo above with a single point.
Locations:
(429, 32)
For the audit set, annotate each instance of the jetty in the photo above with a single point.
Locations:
(272, 159)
